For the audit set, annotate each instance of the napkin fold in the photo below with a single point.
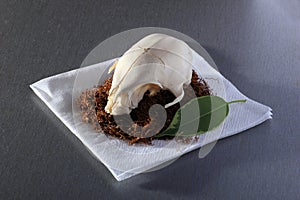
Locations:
(59, 93)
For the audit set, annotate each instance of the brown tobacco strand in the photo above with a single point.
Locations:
(93, 101)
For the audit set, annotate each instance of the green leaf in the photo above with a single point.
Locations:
(198, 116)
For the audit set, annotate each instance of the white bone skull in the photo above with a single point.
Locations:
(155, 62)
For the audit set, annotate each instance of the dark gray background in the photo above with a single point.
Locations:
(256, 45)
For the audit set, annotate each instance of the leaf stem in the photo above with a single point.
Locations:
(236, 101)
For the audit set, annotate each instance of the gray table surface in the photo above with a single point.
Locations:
(256, 45)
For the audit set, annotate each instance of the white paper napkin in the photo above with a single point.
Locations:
(124, 160)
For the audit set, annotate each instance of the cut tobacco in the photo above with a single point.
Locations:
(92, 104)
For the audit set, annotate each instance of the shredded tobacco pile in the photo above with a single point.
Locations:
(93, 101)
